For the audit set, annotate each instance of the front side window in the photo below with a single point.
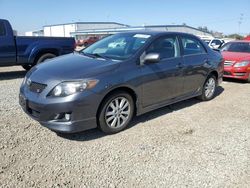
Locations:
(167, 47)
(2, 29)
(119, 46)
(192, 46)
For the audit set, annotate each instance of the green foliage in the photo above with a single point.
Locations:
(235, 36)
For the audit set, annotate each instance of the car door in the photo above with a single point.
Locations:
(162, 81)
(7, 47)
(195, 61)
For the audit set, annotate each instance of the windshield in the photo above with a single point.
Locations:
(117, 47)
(237, 47)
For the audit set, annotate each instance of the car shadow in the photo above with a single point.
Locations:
(12, 75)
(234, 80)
(96, 133)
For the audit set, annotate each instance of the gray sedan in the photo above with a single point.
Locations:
(118, 77)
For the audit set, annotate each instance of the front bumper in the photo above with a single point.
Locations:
(82, 111)
(241, 73)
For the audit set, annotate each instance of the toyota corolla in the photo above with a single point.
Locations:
(105, 85)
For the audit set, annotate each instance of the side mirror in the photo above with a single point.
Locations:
(151, 58)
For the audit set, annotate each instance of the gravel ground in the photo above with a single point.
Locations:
(188, 144)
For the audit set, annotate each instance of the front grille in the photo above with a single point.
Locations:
(240, 73)
(228, 63)
(37, 87)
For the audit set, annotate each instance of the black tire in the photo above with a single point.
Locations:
(85, 44)
(102, 116)
(205, 97)
(27, 67)
(45, 57)
(248, 80)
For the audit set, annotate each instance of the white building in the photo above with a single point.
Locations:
(107, 31)
(36, 33)
(81, 30)
(65, 30)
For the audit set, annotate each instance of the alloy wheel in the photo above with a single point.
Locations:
(117, 112)
(210, 87)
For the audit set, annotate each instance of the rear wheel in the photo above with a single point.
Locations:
(45, 57)
(116, 112)
(209, 88)
(41, 59)
(27, 67)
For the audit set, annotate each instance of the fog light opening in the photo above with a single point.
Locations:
(65, 116)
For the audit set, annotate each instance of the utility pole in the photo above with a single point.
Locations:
(240, 21)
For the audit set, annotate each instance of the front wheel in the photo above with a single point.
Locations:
(116, 112)
(248, 80)
(27, 67)
(209, 88)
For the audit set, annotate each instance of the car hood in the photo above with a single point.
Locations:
(70, 67)
(235, 56)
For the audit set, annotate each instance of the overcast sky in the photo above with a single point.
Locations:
(223, 16)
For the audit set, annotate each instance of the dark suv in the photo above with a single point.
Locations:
(105, 85)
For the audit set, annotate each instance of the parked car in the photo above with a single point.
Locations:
(237, 59)
(88, 41)
(29, 51)
(105, 87)
(214, 43)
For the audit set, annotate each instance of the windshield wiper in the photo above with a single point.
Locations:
(95, 55)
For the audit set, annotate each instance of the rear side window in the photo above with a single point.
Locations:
(2, 29)
(192, 46)
(167, 47)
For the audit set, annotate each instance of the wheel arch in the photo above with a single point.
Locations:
(126, 89)
(41, 52)
(214, 73)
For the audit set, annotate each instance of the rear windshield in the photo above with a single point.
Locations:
(2, 29)
(237, 47)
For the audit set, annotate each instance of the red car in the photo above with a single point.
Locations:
(237, 59)
(88, 41)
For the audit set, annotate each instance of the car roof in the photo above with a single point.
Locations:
(246, 41)
(158, 33)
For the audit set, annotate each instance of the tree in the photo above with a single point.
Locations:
(235, 36)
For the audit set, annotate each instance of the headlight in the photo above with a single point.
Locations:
(241, 64)
(68, 88)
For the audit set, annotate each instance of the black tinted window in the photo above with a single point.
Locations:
(192, 46)
(2, 29)
(165, 46)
